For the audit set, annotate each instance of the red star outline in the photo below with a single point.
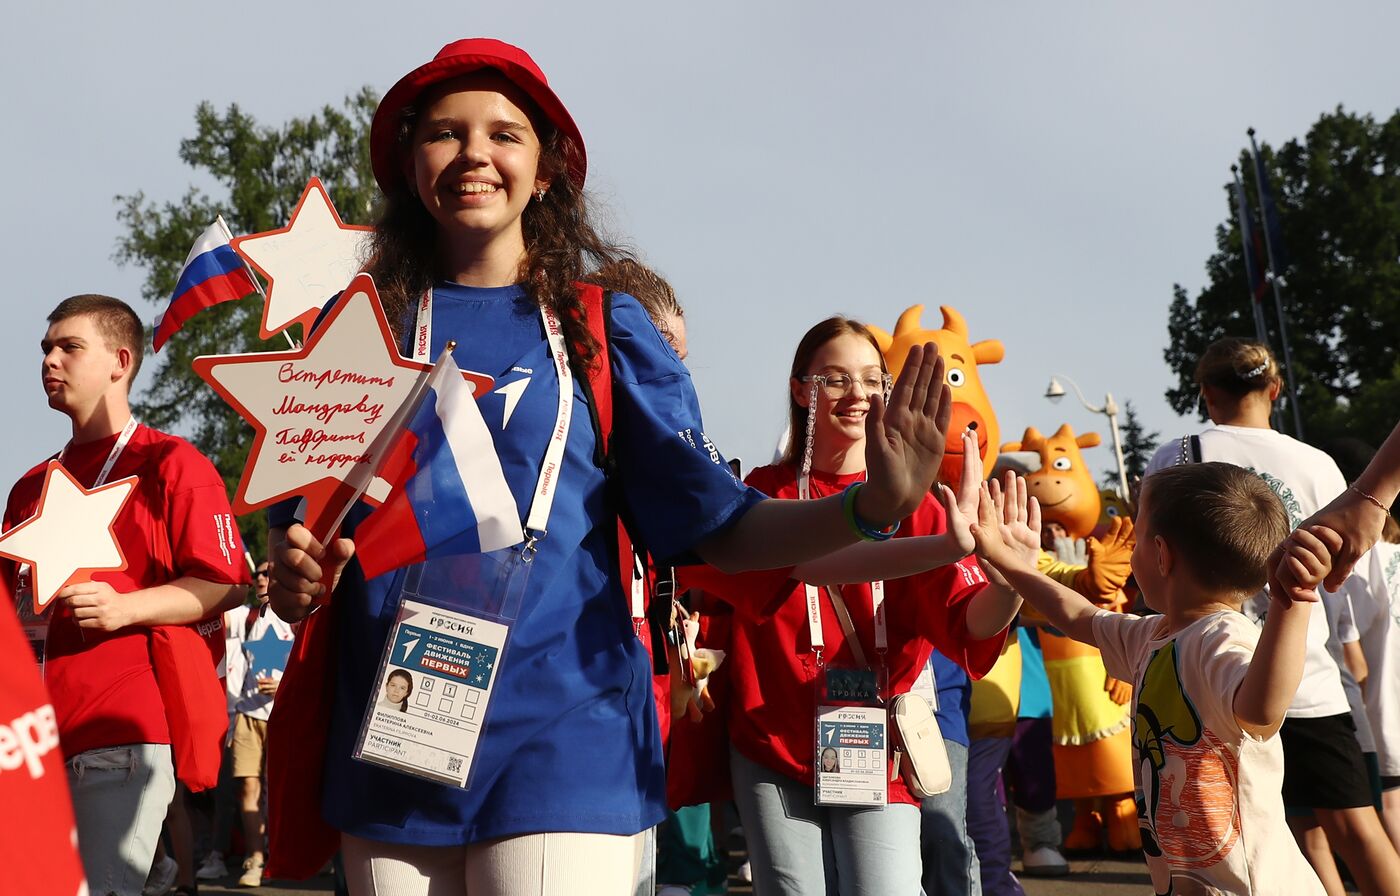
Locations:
(307, 318)
(326, 495)
(82, 573)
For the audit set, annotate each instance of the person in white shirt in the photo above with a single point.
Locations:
(1376, 612)
(1209, 687)
(1324, 770)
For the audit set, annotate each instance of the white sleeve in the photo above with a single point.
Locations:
(1120, 637)
(1165, 456)
(1226, 651)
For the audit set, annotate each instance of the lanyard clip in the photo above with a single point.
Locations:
(528, 552)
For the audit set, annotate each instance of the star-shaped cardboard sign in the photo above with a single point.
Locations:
(318, 411)
(306, 262)
(267, 654)
(71, 535)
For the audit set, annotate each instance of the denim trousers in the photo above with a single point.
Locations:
(949, 857)
(120, 797)
(797, 848)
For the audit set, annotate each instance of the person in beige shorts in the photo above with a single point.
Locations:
(265, 648)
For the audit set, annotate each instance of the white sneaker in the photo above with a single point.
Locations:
(162, 877)
(745, 872)
(1044, 861)
(252, 874)
(213, 868)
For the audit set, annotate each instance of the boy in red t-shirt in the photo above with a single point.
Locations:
(184, 563)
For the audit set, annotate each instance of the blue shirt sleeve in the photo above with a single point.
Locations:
(676, 486)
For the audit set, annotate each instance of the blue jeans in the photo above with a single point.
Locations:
(950, 859)
(120, 797)
(797, 848)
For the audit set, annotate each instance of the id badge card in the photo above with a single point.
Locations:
(35, 625)
(851, 743)
(433, 688)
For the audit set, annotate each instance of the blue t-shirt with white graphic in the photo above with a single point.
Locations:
(571, 740)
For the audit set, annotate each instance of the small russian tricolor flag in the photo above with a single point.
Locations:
(213, 273)
(449, 493)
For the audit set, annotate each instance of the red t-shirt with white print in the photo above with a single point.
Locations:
(771, 666)
(176, 523)
(38, 844)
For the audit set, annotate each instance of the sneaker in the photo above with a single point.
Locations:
(252, 873)
(673, 890)
(161, 878)
(213, 868)
(1044, 861)
(745, 872)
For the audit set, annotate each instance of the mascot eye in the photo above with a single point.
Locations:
(956, 377)
(1112, 511)
(1061, 463)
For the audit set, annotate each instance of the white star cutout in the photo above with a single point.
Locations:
(70, 535)
(306, 262)
(318, 411)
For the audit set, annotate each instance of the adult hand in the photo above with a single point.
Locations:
(972, 474)
(1356, 521)
(97, 605)
(1108, 561)
(305, 572)
(959, 521)
(904, 442)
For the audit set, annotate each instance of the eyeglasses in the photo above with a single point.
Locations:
(839, 385)
(260, 574)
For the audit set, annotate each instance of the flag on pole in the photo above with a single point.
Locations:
(213, 273)
(449, 493)
(1252, 253)
(1268, 209)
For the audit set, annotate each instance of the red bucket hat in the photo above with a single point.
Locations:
(459, 58)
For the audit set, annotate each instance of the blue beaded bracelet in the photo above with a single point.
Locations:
(858, 525)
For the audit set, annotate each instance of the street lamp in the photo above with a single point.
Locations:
(1055, 392)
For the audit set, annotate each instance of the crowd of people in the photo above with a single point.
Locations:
(674, 643)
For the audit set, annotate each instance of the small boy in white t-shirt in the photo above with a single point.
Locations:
(1209, 686)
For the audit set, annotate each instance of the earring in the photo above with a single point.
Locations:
(539, 194)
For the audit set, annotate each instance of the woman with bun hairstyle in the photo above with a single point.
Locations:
(483, 237)
(779, 664)
(1324, 771)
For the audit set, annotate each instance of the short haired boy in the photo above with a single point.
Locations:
(184, 563)
(1209, 687)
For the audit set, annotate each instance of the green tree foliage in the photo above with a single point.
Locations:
(1338, 192)
(259, 173)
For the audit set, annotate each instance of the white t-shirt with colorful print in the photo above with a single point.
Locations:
(1208, 794)
(1376, 611)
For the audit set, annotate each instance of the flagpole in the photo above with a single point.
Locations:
(1278, 297)
(363, 473)
(1261, 329)
(219, 219)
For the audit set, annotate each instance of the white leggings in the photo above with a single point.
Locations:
(554, 864)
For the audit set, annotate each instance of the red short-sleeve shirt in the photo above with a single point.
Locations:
(771, 665)
(177, 523)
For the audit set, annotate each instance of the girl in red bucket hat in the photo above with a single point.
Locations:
(483, 239)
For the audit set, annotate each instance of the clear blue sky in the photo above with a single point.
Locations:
(1049, 169)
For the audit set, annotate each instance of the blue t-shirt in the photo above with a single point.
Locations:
(954, 697)
(571, 740)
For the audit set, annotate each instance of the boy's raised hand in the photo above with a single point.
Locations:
(991, 545)
(1306, 560)
(904, 442)
(1019, 516)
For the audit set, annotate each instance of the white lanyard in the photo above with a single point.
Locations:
(639, 593)
(537, 523)
(112, 456)
(814, 607)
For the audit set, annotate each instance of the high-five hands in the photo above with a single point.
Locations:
(904, 442)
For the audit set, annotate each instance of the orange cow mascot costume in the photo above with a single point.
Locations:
(1093, 748)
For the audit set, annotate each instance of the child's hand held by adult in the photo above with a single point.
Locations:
(1306, 561)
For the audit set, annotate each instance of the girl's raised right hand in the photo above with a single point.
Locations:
(904, 441)
(305, 572)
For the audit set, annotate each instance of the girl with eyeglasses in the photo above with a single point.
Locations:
(780, 662)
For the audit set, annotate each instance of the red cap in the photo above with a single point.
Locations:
(459, 58)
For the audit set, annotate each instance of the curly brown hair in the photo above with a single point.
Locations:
(561, 243)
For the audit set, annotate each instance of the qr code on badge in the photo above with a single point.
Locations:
(454, 764)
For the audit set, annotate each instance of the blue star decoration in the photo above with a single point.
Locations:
(267, 653)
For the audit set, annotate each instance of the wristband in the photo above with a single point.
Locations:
(858, 525)
(1369, 497)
